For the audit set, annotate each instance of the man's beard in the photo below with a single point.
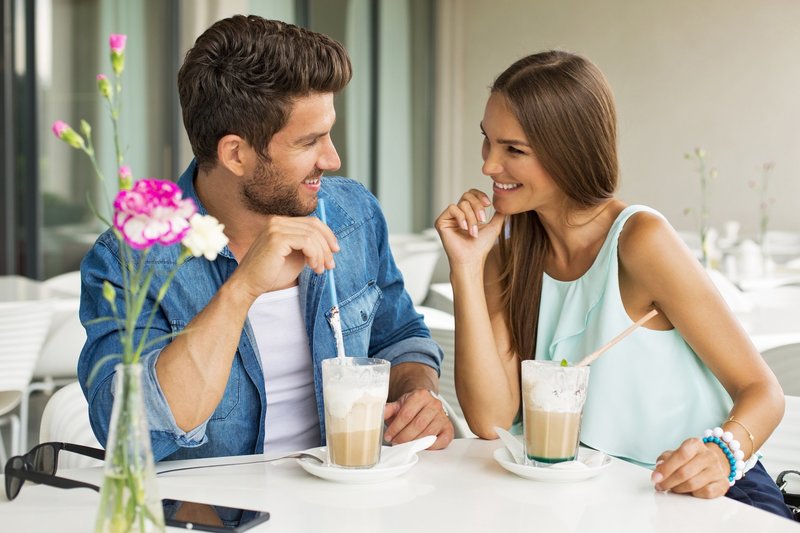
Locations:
(266, 192)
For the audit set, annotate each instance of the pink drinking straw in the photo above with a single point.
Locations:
(589, 359)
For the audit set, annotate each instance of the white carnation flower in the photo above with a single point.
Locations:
(206, 236)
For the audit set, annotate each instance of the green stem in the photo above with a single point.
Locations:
(115, 112)
(89, 151)
(128, 288)
(161, 294)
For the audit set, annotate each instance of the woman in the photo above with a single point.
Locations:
(573, 268)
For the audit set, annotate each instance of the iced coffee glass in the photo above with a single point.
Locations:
(354, 391)
(552, 403)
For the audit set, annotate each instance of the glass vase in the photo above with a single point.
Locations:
(129, 499)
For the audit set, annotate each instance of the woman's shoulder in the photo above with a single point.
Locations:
(643, 226)
(647, 240)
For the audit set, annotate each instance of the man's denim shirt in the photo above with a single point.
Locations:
(377, 315)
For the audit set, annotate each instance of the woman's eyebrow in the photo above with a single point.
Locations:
(507, 141)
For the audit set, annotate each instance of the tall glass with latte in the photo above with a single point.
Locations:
(354, 391)
(552, 403)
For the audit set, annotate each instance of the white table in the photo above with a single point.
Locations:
(770, 327)
(459, 489)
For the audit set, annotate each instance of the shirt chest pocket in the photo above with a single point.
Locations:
(231, 397)
(357, 313)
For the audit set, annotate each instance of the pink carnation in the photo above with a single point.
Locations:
(153, 211)
(63, 131)
(59, 128)
(117, 42)
(125, 177)
(125, 172)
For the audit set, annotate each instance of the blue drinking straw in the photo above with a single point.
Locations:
(331, 282)
(335, 319)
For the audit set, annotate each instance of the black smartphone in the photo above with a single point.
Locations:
(206, 517)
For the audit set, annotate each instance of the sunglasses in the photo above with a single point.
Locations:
(40, 464)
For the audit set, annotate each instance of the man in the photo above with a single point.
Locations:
(244, 376)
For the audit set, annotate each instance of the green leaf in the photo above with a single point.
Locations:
(564, 362)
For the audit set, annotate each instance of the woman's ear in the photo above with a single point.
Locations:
(234, 154)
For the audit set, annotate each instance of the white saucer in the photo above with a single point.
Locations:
(549, 473)
(354, 475)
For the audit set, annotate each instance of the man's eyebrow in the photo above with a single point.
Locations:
(310, 137)
(515, 142)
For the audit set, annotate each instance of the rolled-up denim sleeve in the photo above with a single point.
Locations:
(162, 423)
(414, 350)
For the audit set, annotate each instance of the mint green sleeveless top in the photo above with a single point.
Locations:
(648, 393)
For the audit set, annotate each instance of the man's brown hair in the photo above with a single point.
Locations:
(242, 75)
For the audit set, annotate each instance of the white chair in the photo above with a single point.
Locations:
(58, 361)
(442, 327)
(66, 419)
(416, 257)
(785, 363)
(68, 283)
(440, 296)
(23, 326)
(782, 449)
(441, 272)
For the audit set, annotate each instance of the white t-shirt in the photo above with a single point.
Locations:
(291, 422)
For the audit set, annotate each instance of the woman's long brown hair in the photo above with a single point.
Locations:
(566, 109)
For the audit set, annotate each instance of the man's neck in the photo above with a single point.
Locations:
(219, 194)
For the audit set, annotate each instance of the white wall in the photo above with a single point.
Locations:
(721, 74)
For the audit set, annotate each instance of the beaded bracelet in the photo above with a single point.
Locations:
(731, 448)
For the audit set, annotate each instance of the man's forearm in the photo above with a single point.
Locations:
(193, 369)
(406, 377)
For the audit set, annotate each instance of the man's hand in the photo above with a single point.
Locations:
(281, 251)
(417, 414)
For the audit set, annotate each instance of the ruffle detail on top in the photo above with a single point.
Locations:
(585, 293)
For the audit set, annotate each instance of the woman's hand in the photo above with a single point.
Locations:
(466, 236)
(696, 468)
